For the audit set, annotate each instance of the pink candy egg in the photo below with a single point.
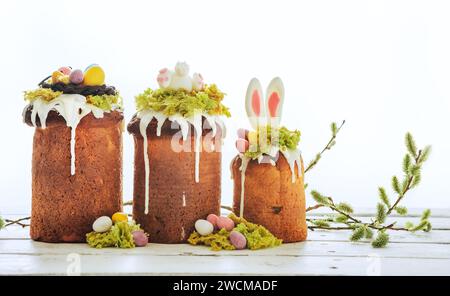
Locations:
(225, 222)
(238, 240)
(140, 238)
(65, 70)
(76, 76)
(242, 145)
(242, 133)
(212, 219)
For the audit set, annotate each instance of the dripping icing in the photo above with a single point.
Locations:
(146, 117)
(244, 163)
(293, 159)
(72, 107)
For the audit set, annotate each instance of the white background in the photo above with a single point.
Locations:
(384, 66)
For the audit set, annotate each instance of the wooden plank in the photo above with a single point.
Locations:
(208, 265)
(312, 248)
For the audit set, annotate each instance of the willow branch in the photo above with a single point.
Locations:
(17, 222)
(327, 147)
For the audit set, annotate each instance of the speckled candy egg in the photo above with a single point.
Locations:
(204, 227)
(140, 238)
(94, 75)
(119, 217)
(65, 70)
(102, 224)
(225, 222)
(76, 76)
(212, 218)
(238, 240)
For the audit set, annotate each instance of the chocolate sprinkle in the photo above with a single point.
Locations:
(80, 89)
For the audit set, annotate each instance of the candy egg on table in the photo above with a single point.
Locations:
(65, 70)
(76, 76)
(212, 218)
(225, 222)
(102, 224)
(204, 227)
(94, 75)
(140, 238)
(119, 217)
(238, 240)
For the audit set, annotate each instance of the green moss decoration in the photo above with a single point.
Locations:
(45, 94)
(258, 237)
(106, 102)
(282, 137)
(119, 236)
(217, 241)
(170, 102)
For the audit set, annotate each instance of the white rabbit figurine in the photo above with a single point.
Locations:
(180, 79)
(197, 81)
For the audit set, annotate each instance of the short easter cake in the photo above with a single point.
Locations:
(77, 153)
(268, 171)
(178, 131)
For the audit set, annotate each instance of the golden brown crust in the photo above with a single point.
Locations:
(271, 199)
(64, 206)
(171, 217)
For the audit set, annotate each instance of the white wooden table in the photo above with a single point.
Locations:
(324, 253)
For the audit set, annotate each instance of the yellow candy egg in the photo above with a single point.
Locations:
(64, 79)
(56, 77)
(119, 217)
(94, 75)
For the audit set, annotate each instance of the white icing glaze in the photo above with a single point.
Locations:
(293, 159)
(72, 107)
(196, 121)
(146, 117)
(244, 163)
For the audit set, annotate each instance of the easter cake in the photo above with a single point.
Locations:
(77, 153)
(268, 171)
(178, 131)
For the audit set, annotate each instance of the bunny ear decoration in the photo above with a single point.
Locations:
(274, 102)
(254, 104)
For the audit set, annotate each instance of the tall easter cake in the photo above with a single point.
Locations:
(268, 172)
(77, 153)
(178, 134)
